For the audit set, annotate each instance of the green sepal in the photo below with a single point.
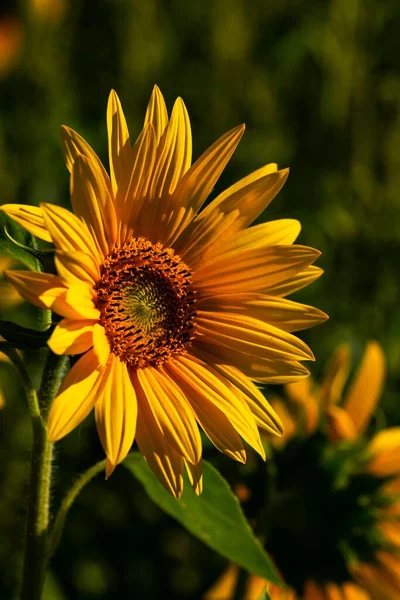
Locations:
(215, 517)
(22, 337)
(20, 245)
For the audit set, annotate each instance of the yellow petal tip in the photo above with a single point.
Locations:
(110, 467)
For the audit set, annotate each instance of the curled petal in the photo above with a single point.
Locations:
(72, 337)
(30, 218)
(77, 397)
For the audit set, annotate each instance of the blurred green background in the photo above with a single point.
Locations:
(318, 84)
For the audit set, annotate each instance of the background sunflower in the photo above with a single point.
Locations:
(317, 84)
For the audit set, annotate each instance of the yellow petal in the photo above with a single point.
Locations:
(285, 314)
(46, 291)
(212, 388)
(232, 211)
(393, 486)
(335, 375)
(156, 113)
(164, 461)
(295, 283)
(174, 154)
(256, 586)
(74, 146)
(250, 336)
(195, 474)
(77, 396)
(252, 270)
(339, 424)
(173, 158)
(366, 388)
(71, 337)
(278, 593)
(36, 287)
(384, 450)
(274, 233)
(263, 413)
(198, 182)
(69, 233)
(119, 148)
(76, 267)
(380, 578)
(352, 591)
(390, 562)
(81, 298)
(333, 592)
(101, 345)
(381, 584)
(312, 591)
(143, 165)
(391, 531)
(257, 368)
(110, 468)
(172, 412)
(290, 425)
(116, 412)
(213, 421)
(225, 586)
(248, 198)
(301, 393)
(91, 201)
(29, 217)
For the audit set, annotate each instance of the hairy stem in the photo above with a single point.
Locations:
(35, 555)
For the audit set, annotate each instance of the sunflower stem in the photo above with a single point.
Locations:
(54, 371)
(59, 521)
(35, 554)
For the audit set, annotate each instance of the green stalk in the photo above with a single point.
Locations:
(35, 555)
(35, 559)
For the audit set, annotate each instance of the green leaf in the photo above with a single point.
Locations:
(22, 337)
(9, 248)
(215, 517)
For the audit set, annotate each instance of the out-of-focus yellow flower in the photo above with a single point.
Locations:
(2, 401)
(11, 41)
(9, 297)
(175, 311)
(52, 11)
(333, 522)
(343, 418)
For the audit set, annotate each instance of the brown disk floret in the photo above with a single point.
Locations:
(147, 303)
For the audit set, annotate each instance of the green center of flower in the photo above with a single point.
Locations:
(319, 512)
(147, 303)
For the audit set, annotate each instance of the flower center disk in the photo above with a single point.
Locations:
(147, 303)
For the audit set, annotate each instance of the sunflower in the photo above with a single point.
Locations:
(175, 311)
(333, 520)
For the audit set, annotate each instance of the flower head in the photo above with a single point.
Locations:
(176, 310)
(331, 511)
